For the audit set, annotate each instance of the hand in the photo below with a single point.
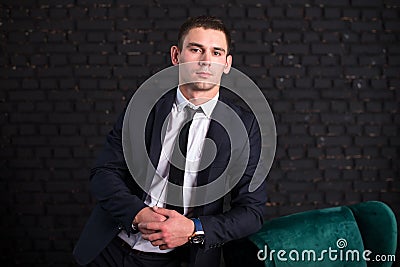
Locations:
(171, 233)
(147, 215)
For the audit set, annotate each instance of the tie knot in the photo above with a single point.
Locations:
(190, 112)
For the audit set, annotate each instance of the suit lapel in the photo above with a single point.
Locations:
(155, 132)
(220, 138)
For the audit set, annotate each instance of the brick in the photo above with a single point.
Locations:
(302, 106)
(335, 186)
(95, 25)
(96, 48)
(275, 12)
(294, 12)
(351, 175)
(367, 49)
(367, 37)
(177, 12)
(303, 83)
(336, 130)
(335, 163)
(130, 71)
(366, 26)
(336, 94)
(362, 72)
(254, 47)
(310, 60)
(298, 130)
(333, 198)
(57, 48)
(315, 197)
(327, 49)
(289, 24)
(337, 118)
(255, 12)
(94, 71)
(270, 60)
(272, 36)
(301, 93)
(343, 3)
(296, 140)
(294, 186)
(325, 71)
(318, 130)
(360, 3)
(287, 71)
(336, 141)
(291, 49)
(332, 13)
(323, 25)
(370, 141)
(373, 118)
(374, 164)
(389, 130)
(310, 37)
(235, 12)
(329, 61)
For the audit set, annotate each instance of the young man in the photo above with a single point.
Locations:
(131, 227)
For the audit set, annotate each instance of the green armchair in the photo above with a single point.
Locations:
(341, 236)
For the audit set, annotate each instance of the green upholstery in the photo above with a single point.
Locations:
(378, 228)
(369, 225)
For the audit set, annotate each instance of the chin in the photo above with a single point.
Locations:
(203, 86)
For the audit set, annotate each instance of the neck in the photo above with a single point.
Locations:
(198, 97)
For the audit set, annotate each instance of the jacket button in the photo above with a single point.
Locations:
(120, 227)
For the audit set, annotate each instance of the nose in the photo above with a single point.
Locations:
(205, 59)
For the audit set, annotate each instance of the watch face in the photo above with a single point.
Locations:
(197, 239)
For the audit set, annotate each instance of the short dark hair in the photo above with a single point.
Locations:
(206, 22)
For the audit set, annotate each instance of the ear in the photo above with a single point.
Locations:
(175, 55)
(228, 64)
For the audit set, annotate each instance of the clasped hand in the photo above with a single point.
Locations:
(164, 228)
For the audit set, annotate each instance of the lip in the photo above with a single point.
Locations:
(204, 74)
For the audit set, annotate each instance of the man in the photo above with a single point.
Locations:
(135, 227)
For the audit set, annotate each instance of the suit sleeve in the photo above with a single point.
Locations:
(111, 183)
(247, 208)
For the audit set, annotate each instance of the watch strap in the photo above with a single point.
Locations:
(198, 227)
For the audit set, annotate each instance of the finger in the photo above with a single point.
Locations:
(157, 243)
(146, 231)
(163, 247)
(156, 226)
(153, 237)
(166, 212)
(143, 227)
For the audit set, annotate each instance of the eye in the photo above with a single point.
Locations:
(217, 53)
(195, 50)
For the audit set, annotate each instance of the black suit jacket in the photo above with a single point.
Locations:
(120, 198)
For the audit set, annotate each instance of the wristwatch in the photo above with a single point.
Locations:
(198, 236)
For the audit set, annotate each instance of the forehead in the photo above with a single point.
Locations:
(206, 37)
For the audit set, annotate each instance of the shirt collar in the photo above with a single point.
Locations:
(207, 107)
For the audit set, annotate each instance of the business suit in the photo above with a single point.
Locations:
(120, 198)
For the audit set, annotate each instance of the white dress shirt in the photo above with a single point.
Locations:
(197, 133)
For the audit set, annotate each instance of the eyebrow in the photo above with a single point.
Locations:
(202, 46)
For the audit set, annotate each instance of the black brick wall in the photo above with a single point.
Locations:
(330, 70)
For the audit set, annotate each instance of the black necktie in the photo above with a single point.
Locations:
(177, 169)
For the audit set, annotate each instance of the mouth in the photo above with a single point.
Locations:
(204, 74)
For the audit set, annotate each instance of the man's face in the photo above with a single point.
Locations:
(203, 58)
